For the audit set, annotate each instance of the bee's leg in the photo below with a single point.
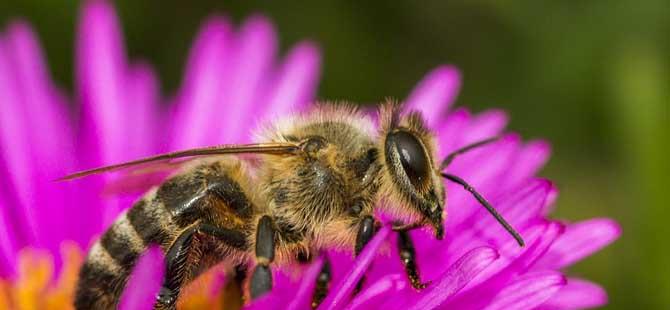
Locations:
(177, 261)
(408, 259)
(366, 231)
(322, 284)
(261, 279)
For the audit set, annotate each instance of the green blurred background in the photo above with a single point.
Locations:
(590, 76)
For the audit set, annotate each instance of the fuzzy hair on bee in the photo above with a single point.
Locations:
(316, 181)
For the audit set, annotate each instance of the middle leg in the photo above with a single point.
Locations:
(261, 279)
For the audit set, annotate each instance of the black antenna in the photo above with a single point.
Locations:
(486, 205)
(447, 160)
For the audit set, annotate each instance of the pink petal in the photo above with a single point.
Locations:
(17, 189)
(53, 150)
(100, 72)
(145, 281)
(435, 94)
(529, 160)
(379, 292)
(143, 111)
(576, 294)
(513, 262)
(44, 112)
(303, 296)
(296, 82)
(485, 125)
(8, 248)
(519, 210)
(339, 293)
(492, 162)
(201, 94)
(253, 56)
(528, 291)
(101, 68)
(450, 130)
(580, 240)
(456, 277)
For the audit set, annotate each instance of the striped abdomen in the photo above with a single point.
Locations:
(205, 195)
(111, 259)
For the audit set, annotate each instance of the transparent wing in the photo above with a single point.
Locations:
(164, 162)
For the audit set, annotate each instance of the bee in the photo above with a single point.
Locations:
(313, 183)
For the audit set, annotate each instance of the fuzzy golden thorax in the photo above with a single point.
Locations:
(320, 195)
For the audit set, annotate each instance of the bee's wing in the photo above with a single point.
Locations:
(159, 162)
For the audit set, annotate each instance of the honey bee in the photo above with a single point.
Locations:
(314, 183)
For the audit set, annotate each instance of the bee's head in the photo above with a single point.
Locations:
(411, 178)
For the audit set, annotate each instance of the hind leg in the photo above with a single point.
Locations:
(179, 260)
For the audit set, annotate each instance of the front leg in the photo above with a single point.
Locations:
(261, 279)
(408, 259)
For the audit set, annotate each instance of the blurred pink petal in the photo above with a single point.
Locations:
(435, 94)
(143, 111)
(580, 240)
(101, 69)
(485, 125)
(254, 54)
(450, 131)
(145, 281)
(200, 96)
(295, 83)
(530, 158)
(17, 187)
(576, 294)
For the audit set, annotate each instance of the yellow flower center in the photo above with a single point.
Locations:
(36, 287)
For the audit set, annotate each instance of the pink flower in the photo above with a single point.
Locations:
(232, 82)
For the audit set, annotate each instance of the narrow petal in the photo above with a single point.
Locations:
(580, 240)
(144, 282)
(528, 291)
(339, 293)
(513, 262)
(456, 277)
(17, 189)
(450, 131)
(520, 209)
(201, 94)
(528, 161)
(485, 125)
(101, 69)
(435, 94)
(38, 94)
(576, 294)
(379, 292)
(296, 82)
(303, 296)
(101, 66)
(44, 112)
(143, 111)
(254, 52)
(8, 248)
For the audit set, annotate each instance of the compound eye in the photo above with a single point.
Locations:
(412, 156)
